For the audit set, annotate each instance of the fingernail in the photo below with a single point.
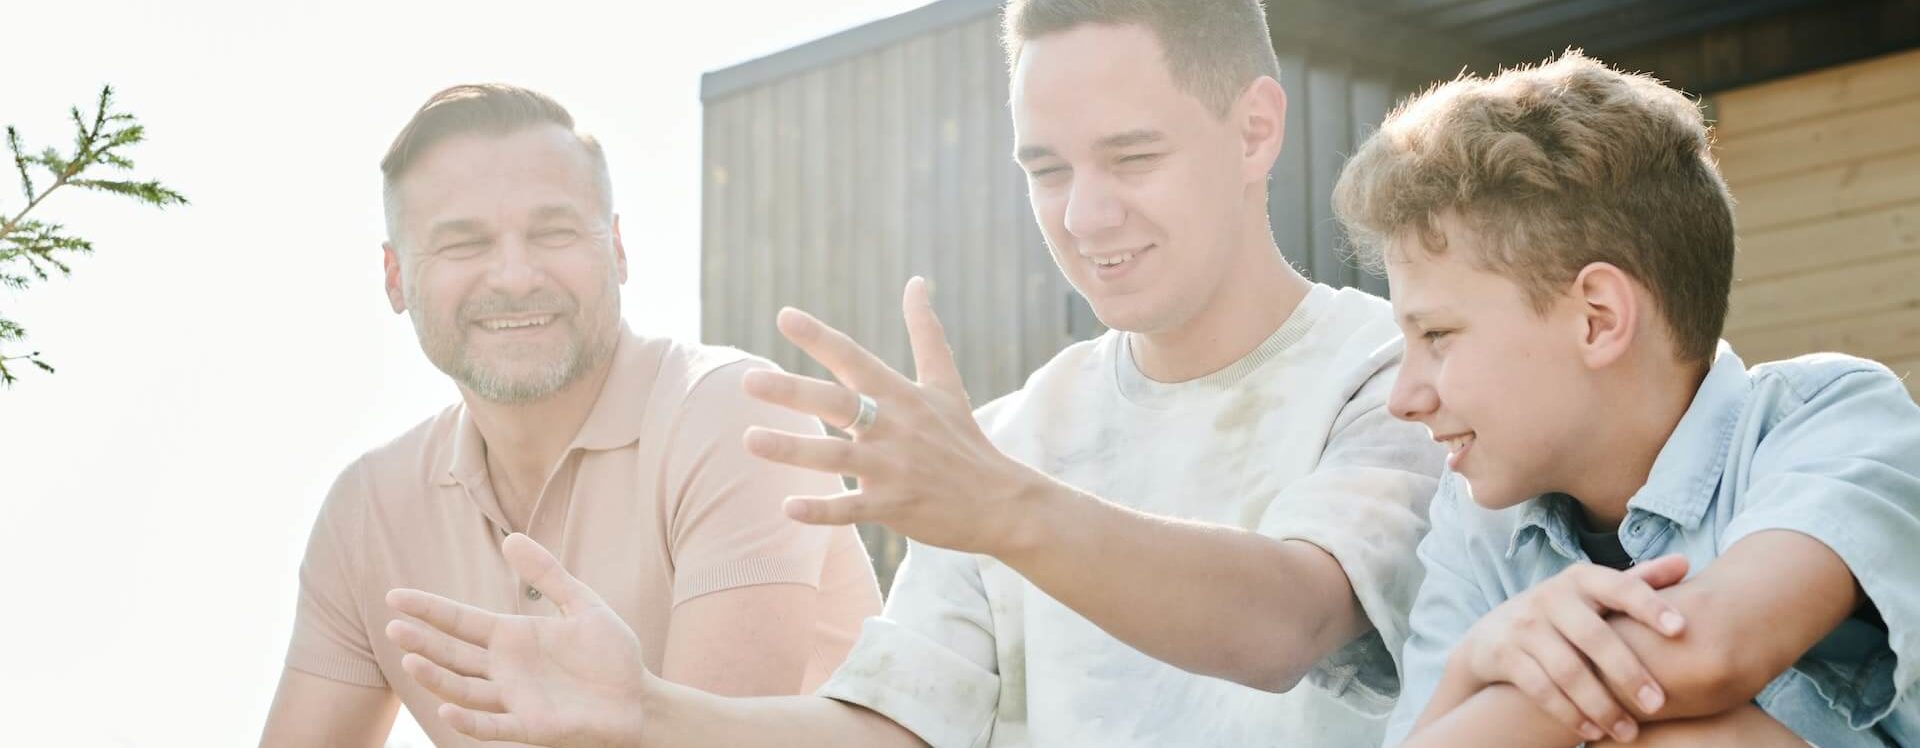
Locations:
(1650, 699)
(1591, 732)
(1671, 622)
(1625, 730)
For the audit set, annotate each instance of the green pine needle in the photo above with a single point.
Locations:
(32, 250)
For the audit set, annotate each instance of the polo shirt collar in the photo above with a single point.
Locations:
(614, 421)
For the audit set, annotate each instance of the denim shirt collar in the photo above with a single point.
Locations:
(1685, 475)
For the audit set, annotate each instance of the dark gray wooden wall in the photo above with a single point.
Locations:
(828, 188)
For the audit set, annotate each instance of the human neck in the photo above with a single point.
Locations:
(1641, 410)
(1249, 306)
(524, 442)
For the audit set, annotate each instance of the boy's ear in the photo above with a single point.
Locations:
(1609, 309)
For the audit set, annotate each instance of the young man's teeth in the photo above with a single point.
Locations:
(1112, 261)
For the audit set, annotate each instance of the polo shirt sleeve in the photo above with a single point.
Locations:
(727, 527)
(928, 662)
(1365, 504)
(330, 636)
(1841, 464)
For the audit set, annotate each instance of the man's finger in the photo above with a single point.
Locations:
(438, 646)
(540, 569)
(851, 364)
(483, 726)
(452, 687)
(932, 356)
(829, 402)
(821, 453)
(1622, 669)
(463, 621)
(841, 509)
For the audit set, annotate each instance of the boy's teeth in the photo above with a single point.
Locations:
(1112, 261)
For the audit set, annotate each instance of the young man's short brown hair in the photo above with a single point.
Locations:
(1213, 48)
(1555, 167)
(480, 109)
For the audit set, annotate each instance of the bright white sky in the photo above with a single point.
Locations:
(220, 363)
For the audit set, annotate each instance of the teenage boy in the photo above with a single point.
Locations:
(1559, 245)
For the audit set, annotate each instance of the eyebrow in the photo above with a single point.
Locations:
(1116, 141)
(1130, 138)
(1415, 317)
(546, 212)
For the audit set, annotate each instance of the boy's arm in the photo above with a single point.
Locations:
(1451, 598)
(1827, 519)
(1744, 726)
(1750, 614)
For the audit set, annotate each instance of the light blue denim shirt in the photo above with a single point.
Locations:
(1826, 445)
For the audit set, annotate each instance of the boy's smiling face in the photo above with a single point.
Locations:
(1504, 386)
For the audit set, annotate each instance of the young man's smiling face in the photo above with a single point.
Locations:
(1137, 186)
(1503, 386)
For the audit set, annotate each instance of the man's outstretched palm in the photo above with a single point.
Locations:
(574, 680)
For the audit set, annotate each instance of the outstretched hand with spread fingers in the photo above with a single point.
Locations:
(575, 680)
(924, 466)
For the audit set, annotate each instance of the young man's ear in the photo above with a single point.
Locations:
(1261, 114)
(396, 294)
(1609, 312)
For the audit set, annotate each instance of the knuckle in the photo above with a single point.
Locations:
(1537, 688)
(1589, 633)
(1565, 670)
(1628, 587)
(1526, 619)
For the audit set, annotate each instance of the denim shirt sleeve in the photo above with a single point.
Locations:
(1840, 463)
(1450, 599)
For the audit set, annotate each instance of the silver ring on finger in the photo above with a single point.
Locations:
(864, 418)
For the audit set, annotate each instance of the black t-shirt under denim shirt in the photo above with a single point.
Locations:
(1604, 547)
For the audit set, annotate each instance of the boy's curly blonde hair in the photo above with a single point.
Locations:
(1554, 167)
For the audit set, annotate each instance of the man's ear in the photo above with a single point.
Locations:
(396, 293)
(619, 251)
(1261, 116)
(1608, 308)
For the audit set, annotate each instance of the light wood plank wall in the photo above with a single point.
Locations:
(1825, 169)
